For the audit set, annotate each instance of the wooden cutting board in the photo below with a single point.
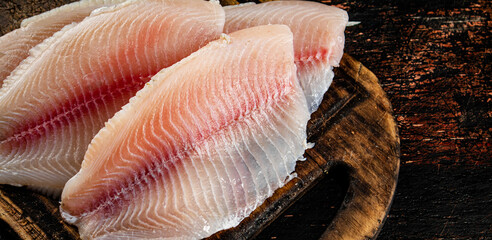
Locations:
(353, 129)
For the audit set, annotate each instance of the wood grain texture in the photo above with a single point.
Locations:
(433, 59)
(32, 216)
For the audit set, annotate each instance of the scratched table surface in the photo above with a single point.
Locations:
(432, 58)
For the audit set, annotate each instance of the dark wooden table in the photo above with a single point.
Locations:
(433, 59)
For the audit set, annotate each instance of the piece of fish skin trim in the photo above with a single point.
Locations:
(15, 45)
(73, 82)
(318, 38)
(353, 23)
(197, 149)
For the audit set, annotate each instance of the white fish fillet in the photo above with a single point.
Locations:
(199, 148)
(15, 45)
(57, 100)
(318, 37)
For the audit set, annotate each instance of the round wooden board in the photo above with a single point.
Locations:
(353, 128)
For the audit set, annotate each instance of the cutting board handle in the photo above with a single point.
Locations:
(363, 210)
(372, 171)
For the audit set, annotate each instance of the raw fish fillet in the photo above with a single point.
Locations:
(318, 38)
(199, 148)
(53, 105)
(15, 45)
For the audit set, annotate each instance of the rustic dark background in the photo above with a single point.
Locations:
(432, 58)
